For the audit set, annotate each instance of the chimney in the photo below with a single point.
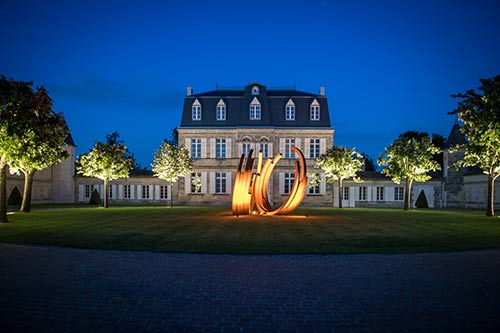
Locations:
(322, 91)
(189, 91)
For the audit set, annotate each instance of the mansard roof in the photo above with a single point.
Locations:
(272, 103)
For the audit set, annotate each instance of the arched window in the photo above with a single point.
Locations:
(255, 109)
(221, 110)
(255, 90)
(196, 108)
(290, 110)
(246, 145)
(315, 110)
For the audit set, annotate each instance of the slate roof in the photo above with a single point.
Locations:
(69, 140)
(455, 138)
(272, 108)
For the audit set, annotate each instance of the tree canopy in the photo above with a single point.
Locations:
(340, 163)
(107, 161)
(479, 113)
(170, 162)
(409, 158)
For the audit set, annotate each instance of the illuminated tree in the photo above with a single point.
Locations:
(480, 117)
(409, 158)
(42, 144)
(107, 161)
(171, 162)
(340, 163)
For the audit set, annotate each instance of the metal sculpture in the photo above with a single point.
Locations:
(250, 190)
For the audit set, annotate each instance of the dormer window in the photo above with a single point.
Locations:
(290, 110)
(255, 109)
(315, 110)
(196, 108)
(255, 90)
(221, 110)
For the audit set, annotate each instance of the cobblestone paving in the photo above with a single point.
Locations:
(57, 289)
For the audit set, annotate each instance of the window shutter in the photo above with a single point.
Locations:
(120, 192)
(228, 147)
(229, 185)
(139, 192)
(298, 143)
(150, 192)
(101, 190)
(169, 192)
(282, 183)
(81, 192)
(282, 146)
(270, 145)
(132, 192)
(204, 182)
(307, 148)
(204, 148)
(157, 192)
(212, 147)
(188, 145)
(212, 182)
(240, 149)
(322, 146)
(322, 185)
(187, 183)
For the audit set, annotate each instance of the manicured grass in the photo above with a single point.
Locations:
(215, 230)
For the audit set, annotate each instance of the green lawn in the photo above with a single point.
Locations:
(215, 230)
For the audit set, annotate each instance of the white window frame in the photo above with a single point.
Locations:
(264, 147)
(289, 177)
(126, 192)
(255, 90)
(290, 110)
(289, 153)
(314, 148)
(145, 192)
(220, 182)
(345, 193)
(88, 191)
(315, 110)
(221, 110)
(220, 148)
(195, 148)
(246, 146)
(399, 193)
(255, 109)
(315, 189)
(362, 193)
(193, 187)
(196, 110)
(163, 192)
(380, 193)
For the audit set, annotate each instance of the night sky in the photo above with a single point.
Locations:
(388, 66)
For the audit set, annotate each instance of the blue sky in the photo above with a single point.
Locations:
(388, 66)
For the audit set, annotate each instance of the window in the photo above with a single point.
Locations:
(362, 193)
(220, 182)
(315, 188)
(315, 110)
(380, 193)
(345, 193)
(88, 191)
(314, 146)
(196, 182)
(110, 191)
(399, 193)
(163, 192)
(126, 191)
(196, 148)
(289, 177)
(264, 148)
(255, 109)
(255, 90)
(145, 192)
(290, 110)
(289, 153)
(220, 148)
(246, 146)
(221, 110)
(196, 110)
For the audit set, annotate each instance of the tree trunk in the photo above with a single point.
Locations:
(407, 197)
(106, 185)
(3, 191)
(340, 193)
(27, 191)
(490, 202)
(171, 194)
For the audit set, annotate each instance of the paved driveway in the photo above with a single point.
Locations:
(59, 289)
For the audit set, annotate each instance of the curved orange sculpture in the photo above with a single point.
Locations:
(251, 190)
